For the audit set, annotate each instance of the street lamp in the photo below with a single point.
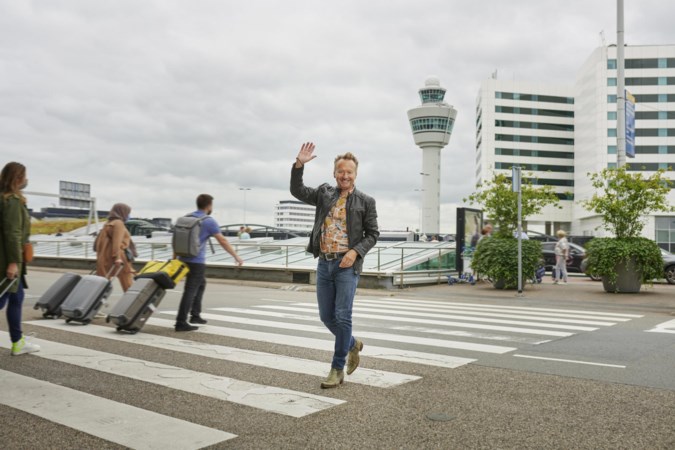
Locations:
(244, 189)
(419, 211)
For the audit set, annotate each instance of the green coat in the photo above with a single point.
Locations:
(14, 232)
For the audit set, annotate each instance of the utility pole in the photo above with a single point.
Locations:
(620, 88)
(516, 187)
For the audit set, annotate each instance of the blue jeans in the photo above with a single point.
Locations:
(335, 290)
(195, 284)
(13, 311)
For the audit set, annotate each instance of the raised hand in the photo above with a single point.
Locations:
(306, 153)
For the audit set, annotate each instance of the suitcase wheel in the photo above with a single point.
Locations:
(68, 320)
(85, 322)
(119, 329)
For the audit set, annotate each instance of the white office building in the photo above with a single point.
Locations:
(530, 125)
(294, 215)
(650, 78)
(562, 133)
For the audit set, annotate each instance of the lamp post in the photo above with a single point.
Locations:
(244, 189)
(419, 211)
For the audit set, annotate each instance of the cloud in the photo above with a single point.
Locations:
(155, 102)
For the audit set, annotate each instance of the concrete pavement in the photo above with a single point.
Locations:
(485, 406)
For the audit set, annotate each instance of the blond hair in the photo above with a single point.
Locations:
(561, 233)
(349, 156)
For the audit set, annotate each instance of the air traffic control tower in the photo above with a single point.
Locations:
(431, 124)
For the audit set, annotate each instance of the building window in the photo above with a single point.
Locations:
(611, 115)
(665, 232)
(432, 95)
(611, 98)
(533, 111)
(611, 132)
(611, 149)
(611, 81)
(441, 124)
(534, 97)
(611, 64)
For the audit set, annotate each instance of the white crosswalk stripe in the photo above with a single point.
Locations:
(394, 354)
(376, 378)
(106, 419)
(278, 400)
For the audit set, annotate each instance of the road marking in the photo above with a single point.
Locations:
(444, 316)
(376, 378)
(429, 359)
(116, 422)
(517, 308)
(443, 343)
(570, 361)
(665, 327)
(542, 317)
(267, 398)
(473, 335)
(446, 323)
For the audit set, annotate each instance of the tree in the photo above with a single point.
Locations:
(500, 203)
(626, 198)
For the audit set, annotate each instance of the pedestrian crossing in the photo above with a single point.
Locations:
(418, 333)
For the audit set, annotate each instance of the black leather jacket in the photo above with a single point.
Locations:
(361, 215)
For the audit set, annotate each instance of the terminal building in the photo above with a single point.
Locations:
(294, 215)
(561, 133)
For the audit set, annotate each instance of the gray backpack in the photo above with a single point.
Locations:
(186, 235)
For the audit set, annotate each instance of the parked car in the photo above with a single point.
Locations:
(668, 266)
(576, 256)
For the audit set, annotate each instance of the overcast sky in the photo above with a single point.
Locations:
(154, 102)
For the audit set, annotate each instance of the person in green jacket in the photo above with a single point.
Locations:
(14, 233)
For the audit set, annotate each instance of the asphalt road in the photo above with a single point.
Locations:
(564, 366)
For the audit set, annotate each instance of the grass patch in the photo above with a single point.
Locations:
(54, 226)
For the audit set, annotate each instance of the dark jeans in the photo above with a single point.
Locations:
(335, 289)
(13, 311)
(195, 284)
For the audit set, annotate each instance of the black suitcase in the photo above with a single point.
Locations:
(136, 305)
(56, 294)
(88, 296)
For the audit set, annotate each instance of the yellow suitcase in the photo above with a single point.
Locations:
(175, 269)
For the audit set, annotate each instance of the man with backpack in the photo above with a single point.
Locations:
(189, 245)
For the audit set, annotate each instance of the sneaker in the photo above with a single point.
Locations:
(198, 319)
(23, 347)
(184, 326)
(555, 281)
(353, 357)
(335, 378)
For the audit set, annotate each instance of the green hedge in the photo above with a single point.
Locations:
(497, 258)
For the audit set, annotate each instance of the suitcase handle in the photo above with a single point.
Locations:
(117, 272)
(4, 291)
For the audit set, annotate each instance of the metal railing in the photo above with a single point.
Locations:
(402, 260)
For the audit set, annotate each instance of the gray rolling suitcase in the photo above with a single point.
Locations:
(87, 298)
(56, 294)
(136, 305)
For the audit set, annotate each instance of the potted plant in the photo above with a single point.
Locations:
(623, 199)
(497, 256)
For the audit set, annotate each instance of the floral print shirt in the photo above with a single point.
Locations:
(334, 237)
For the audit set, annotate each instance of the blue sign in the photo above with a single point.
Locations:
(630, 125)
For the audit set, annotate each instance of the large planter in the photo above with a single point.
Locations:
(628, 279)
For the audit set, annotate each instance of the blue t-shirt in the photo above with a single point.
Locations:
(209, 228)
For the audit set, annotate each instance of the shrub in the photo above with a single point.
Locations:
(497, 258)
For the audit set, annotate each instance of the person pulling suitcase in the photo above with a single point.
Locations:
(189, 245)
